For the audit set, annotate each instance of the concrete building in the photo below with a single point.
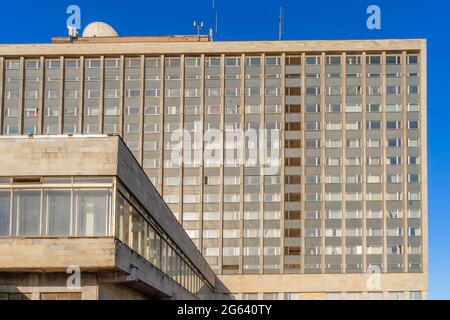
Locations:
(336, 209)
(80, 220)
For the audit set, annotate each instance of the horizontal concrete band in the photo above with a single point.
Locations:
(211, 47)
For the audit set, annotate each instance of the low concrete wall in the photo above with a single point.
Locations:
(107, 258)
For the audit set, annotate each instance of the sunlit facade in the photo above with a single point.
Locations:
(348, 131)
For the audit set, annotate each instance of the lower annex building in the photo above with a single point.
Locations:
(80, 220)
(297, 168)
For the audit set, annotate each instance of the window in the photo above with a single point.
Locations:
(12, 64)
(293, 61)
(312, 108)
(395, 295)
(273, 61)
(373, 125)
(413, 160)
(152, 63)
(4, 213)
(32, 64)
(232, 62)
(190, 198)
(212, 62)
(373, 60)
(12, 94)
(413, 59)
(394, 90)
(92, 208)
(393, 59)
(56, 212)
(211, 215)
(353, 108)
(112, 63)
(334, 108)
(212, 252)
(413, 124)
(93, 63)
(252, 61)
(132, 62)
(71, 94)
(393, 107)
(272, 91)
(60, 296)
(132, 93)
(354, 60)
(313, 60)
(333, 296)
(112, 93)
(210, 234)
(72, 64)
(15, 296)
(231, 251)
(413, 89)
(250, 296)
(26, 212)
(151, 110)
(393, 125)
(394, 142)
(192, 62)
(354, 295)
(313, 90)
(152, 93)
(415, 295)
(92, 93)
(254, 91)
(334, 60)
(190, 216)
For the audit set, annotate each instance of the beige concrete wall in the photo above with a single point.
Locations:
(43, 156)
(316, 283)
(108, 291)
(34, 284)
(105, 259)
(91, 286)
(34, 254)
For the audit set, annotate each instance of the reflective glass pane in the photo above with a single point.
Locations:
(57, 212)
(123, 212)
(26, 212)
(4, 213)
(92, 207)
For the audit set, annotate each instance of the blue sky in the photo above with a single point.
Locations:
(39, 20)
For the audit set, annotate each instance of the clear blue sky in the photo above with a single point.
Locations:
(38, 20)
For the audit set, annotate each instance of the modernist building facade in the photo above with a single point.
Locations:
(80, 220)
(336, 209)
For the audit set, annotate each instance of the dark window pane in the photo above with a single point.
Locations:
(4, 213)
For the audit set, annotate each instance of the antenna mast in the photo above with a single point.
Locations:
(281, 22)
(198, 27)
(215, 17)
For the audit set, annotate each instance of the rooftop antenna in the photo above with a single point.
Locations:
(281, 22)
(211, 33)
(198, 27)
(215, 16)
(73, 33)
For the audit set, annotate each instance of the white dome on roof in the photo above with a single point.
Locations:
(99, 29)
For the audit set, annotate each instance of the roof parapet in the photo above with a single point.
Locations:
(132, 39)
